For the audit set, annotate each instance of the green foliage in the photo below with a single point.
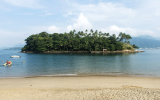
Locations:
(124, 37)
(112, 48)
(80, 41)
(129, 48)
(134, 46)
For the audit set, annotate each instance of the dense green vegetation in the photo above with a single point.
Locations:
(80, 41)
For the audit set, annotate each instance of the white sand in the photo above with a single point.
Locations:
(80, 88)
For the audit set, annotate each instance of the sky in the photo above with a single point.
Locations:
(21, 18)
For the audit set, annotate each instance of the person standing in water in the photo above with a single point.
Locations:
(7, 61)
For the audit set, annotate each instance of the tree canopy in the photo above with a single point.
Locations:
(72, 41)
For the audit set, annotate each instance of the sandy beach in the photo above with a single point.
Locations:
(80, 88)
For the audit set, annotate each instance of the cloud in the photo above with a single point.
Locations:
(53, 29)
(105, 11)
(81, 24)
(113, 29)
(139, 19)
(24, 3)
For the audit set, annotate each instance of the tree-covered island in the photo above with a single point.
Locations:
(80, 41)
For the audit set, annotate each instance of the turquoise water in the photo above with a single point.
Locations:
(139, 64)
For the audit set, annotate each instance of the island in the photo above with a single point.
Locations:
(80, 42)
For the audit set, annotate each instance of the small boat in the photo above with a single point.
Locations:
(7, 64)
(15, 56)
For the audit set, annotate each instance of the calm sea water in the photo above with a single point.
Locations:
(141, 64)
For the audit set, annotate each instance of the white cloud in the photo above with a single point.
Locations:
(53, 29)
(113, 29)
(81, 24)
(139, 19)
(105, 12)
(24, 3)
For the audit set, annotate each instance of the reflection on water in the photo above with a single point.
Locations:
(145, 63)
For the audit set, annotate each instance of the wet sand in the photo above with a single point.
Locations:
(80, 88)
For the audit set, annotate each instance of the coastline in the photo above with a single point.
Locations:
(109, 74)
(122, 51)
(80, 88)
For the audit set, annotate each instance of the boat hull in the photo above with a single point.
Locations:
(15, 56)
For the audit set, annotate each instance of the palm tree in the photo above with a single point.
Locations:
(107, 34)
(114, 36)
(86, 31)
(96, 33)
(91, 32)
(71, 34)
(100, 34)
(74, 31)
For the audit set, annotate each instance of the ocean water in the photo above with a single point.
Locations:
(138, 64)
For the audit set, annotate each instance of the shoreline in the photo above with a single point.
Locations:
(112, 74)
(80, 88)
(122, 51)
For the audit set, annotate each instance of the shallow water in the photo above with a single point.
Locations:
(139, 64)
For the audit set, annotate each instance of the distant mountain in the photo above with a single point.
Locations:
(145, 41)
(13, 48)
(19, 45)
(16, 47)
(157, 38)
(146, 37)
